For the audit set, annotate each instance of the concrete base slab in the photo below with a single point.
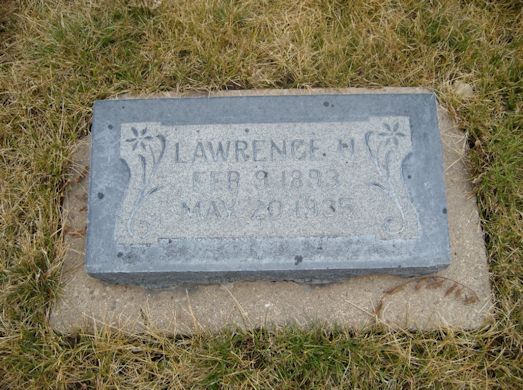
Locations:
(458, 296)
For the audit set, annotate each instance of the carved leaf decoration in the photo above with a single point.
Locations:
(380, 186)
(386, 162)
(144, 167)
(153, 156)
(367, 142)
(162, 142)
(149, 163)
(153, 190)
(382, 147)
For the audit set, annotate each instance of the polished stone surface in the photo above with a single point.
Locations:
(308, 188)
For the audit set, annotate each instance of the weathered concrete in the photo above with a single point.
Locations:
(303, 188)
(458, 296)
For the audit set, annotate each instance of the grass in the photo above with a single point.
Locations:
(57, 57)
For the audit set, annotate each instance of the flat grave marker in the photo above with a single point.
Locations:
(308, 188)
(458, 295)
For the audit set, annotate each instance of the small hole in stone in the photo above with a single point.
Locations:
(100, 195)
(110, 127)
(120, 254)
(409, 177)
(326, 104)
(298, 259)
(324, 154)
(246, 130)
(444, 211)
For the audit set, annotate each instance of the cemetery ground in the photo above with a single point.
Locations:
(57, 57)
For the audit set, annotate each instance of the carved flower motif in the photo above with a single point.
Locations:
(140, 138)
(391, 134)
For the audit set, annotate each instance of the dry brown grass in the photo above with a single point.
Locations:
(57, 57)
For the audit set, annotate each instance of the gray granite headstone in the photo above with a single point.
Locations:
(310, 188)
